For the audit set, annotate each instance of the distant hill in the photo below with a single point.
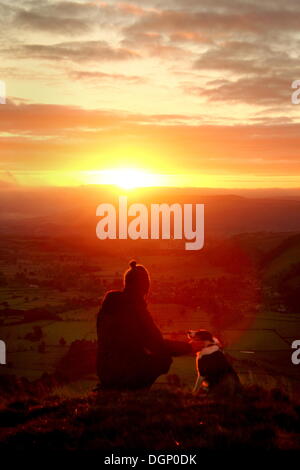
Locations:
(66, 211)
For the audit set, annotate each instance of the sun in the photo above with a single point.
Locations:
(125, 178)
(129, 178)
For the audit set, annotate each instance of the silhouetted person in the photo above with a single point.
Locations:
(131, 350)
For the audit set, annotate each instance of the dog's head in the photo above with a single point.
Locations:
(200, 335)
(199, 339)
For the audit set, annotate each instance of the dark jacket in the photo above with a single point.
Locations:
(131, 350)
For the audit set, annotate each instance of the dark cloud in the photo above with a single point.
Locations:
(241, 57)
(65, 18)
(53, 24)
(261, 90)
(170, 21)
(235, 37)
(219, 5)
(235, 56)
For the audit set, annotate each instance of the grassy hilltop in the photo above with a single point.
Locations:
(158, 419)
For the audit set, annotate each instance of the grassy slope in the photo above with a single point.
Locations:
(159, 419)
(281, 258)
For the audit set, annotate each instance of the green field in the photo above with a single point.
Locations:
(258, 342)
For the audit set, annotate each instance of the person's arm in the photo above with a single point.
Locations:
(198, 384)
(107, 307)
(152, 337)
(178, 348)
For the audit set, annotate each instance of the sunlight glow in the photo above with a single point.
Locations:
(125, 178)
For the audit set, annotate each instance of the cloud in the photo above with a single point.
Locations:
(65, 18)
(235, 56)
(231, 36)
(260, 90)
(59, 18)
(53, 24)
(214, 22)
(187, 36)
(33, 119)
(75, 51)
(30, 120)
(131, 8)
(250, 72)
(95, 76)
(227, 51)
(244, 57)
(68, 138)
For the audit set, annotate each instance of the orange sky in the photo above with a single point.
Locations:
(196, 93)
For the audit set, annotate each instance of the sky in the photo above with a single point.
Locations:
(177, 92)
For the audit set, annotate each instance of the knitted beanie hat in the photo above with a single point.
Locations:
(136, 279)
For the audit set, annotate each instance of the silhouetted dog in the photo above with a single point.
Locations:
(214, 372)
